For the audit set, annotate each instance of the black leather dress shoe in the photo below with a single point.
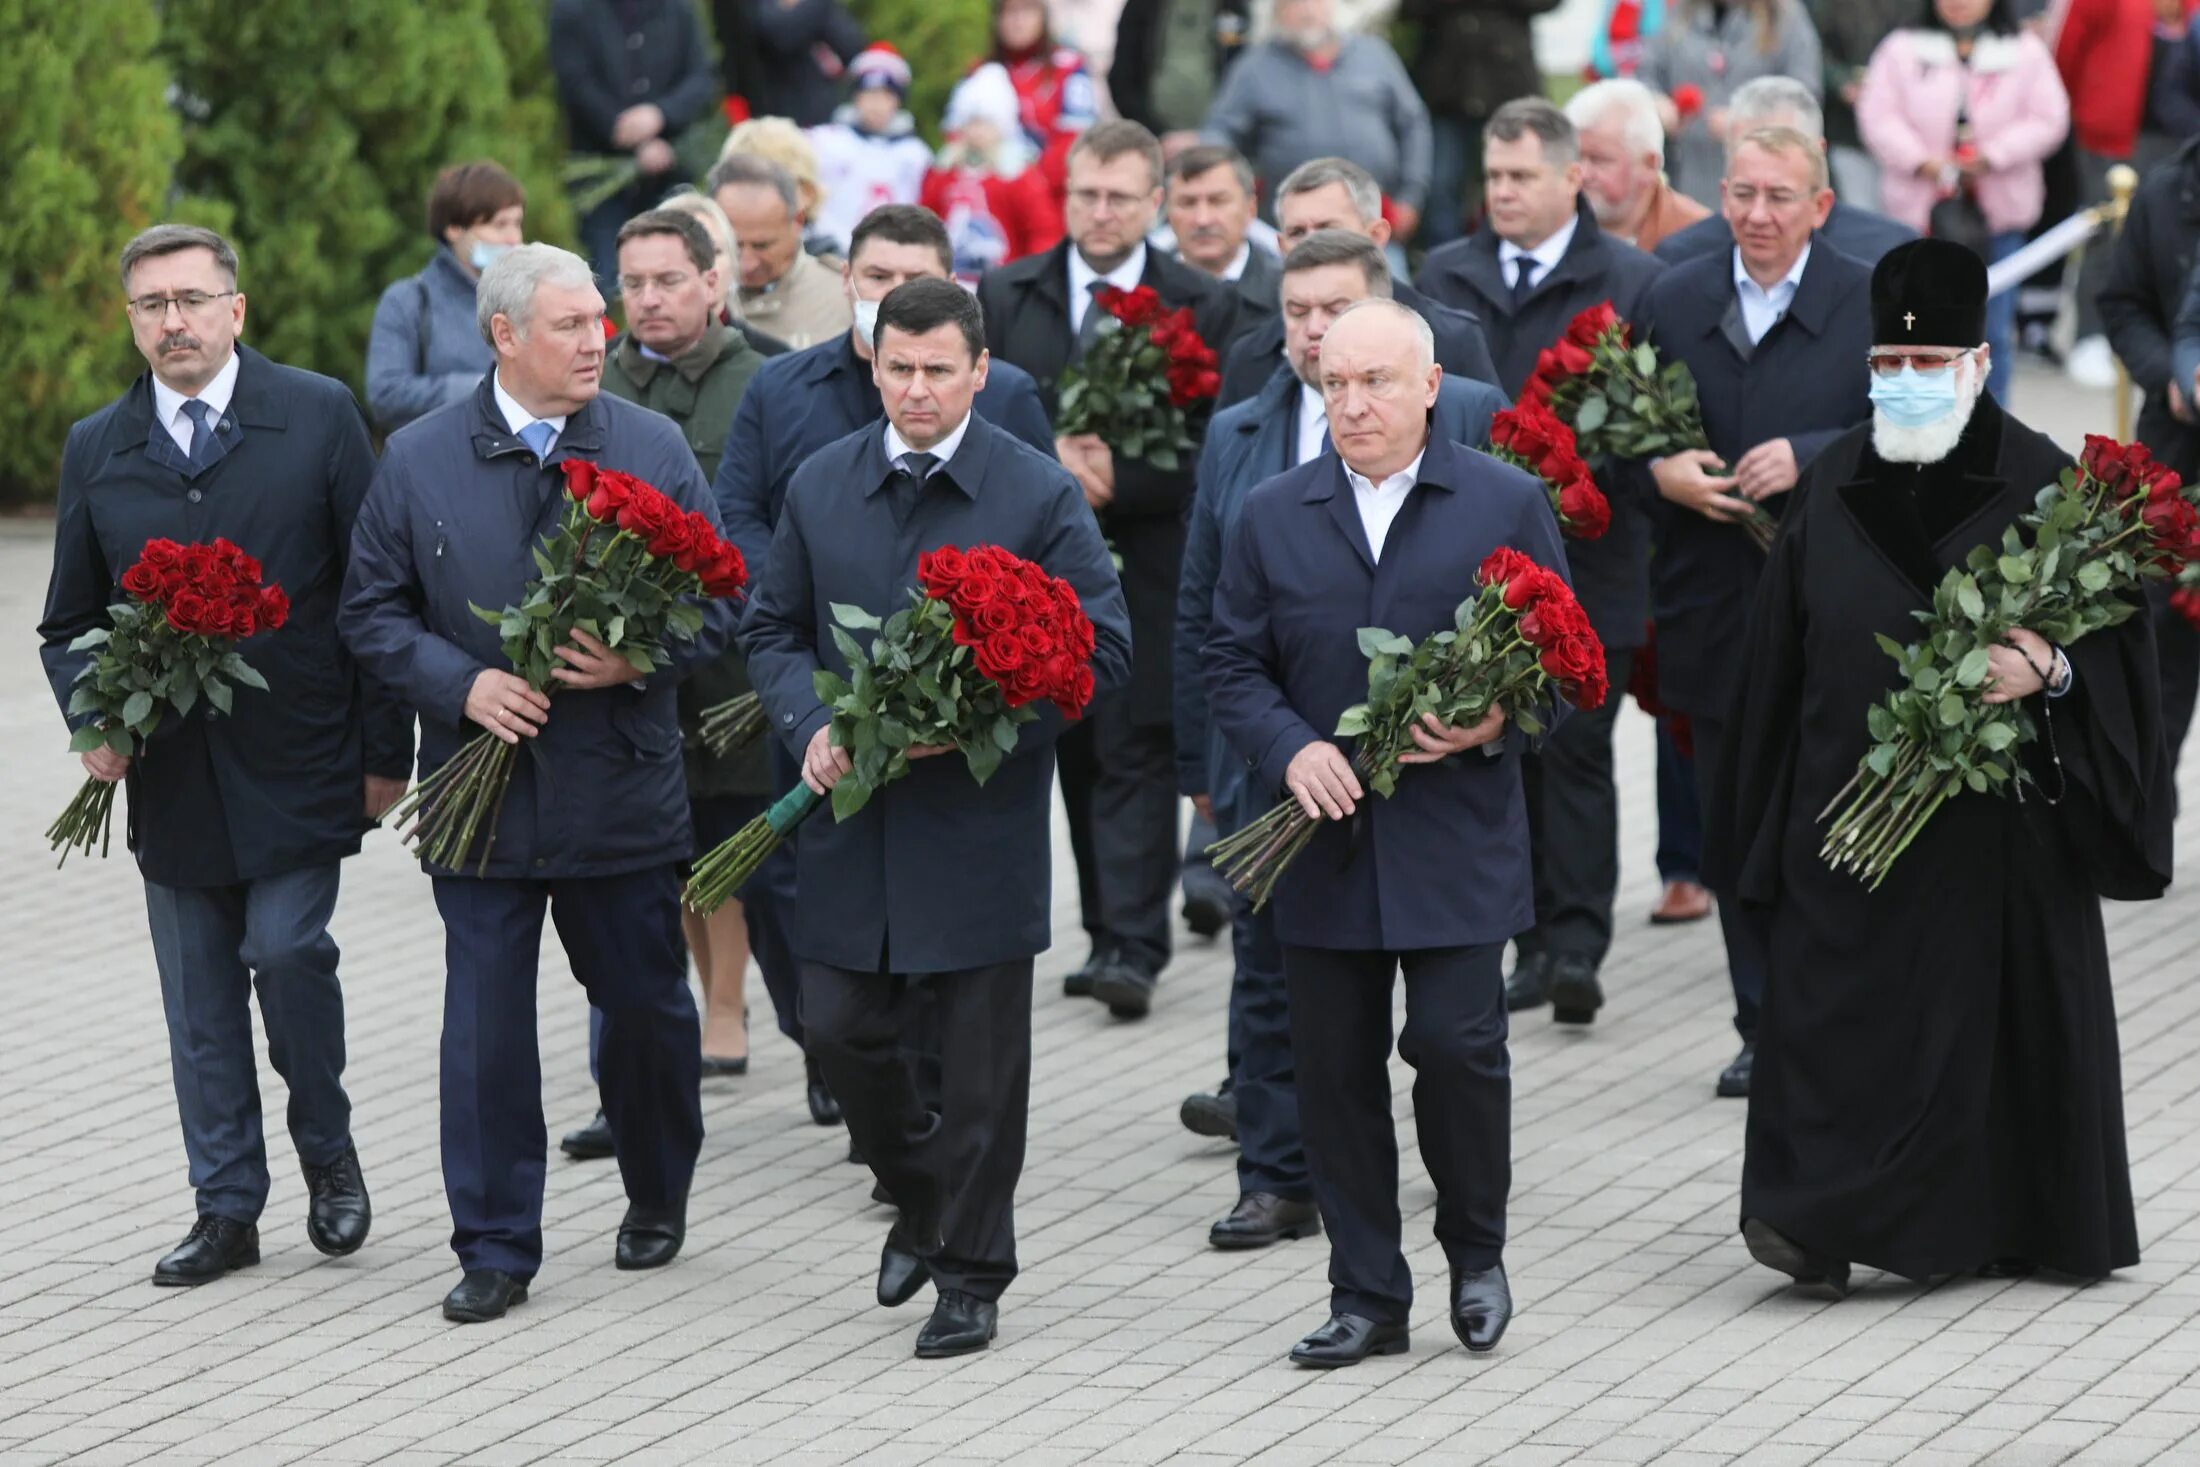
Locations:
(1347, 1340)
(824, 1110)
(1734, 1079)
(1211, 1115)
(1528, 986)
(484, 1294)
(591, 1142)
(337, 1211)
(1261, 1218)
(900, 1271)
(1206, 904)
(1079, 983)
(214, 1246)
(650, 1237)
(1825, 1277)
(1575, 993)
(960, 1323)
(1126, 988)
(1481, 1307)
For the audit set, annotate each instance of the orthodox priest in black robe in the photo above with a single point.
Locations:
(1937, 1088)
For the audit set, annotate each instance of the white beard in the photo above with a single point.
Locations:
(1935, 441)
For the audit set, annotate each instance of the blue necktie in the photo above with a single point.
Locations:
(539, 436)
(205, 446)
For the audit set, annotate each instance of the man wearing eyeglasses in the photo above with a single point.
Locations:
(238, 822)
(1775, 331)
(1936, 1089)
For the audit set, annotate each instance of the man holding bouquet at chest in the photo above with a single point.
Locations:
(936, 878)
(1387, 532)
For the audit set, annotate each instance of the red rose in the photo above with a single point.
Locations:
(142, 581)
(981, 587)
(999, 656)
(2185, 601)
(1037, 641)
(1026, 684)
(187, 611)
(997, 615)
(1080, 697)
(1573, 361)
(941, 571)
(580, 479)
(726, 574)
(160, 554)
(1584, 509)
(1688, 100)
(242, 623)
(274, 608)
(1588, 328)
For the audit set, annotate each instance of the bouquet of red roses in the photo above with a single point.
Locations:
(1620, 399)
(2067, 568)
(986, 635)
(1141, 383)
(1519, 637)
(172, 642)
(620, 567)
(1530, 436)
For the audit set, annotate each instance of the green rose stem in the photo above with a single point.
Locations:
(733, 725)
(719, 874)
(87, 821)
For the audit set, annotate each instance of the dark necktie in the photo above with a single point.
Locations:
(205, 445)
(1523, 280)
(911, 472)
(1088, 330)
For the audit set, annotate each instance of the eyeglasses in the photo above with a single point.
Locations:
(1891, 363)
(1093, 198)
(190, 302)
(668, 282)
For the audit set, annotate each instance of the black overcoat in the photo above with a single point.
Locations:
(936, 873)
(279, 784)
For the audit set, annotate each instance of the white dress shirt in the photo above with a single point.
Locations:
(1379, 503)
(168, 403)
(1761, 308)
(518, 417)
(1313, 424)
(898, 446)
(1082, 277)
(1235, 270)
(1545, 255)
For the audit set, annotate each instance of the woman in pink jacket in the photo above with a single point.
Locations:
(1961, 110)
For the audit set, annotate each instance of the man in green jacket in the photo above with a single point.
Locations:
(677, 358)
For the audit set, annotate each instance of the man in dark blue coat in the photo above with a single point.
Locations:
(1336, 193)
(937, 879)
(1776, 333)
(238, 822)
(1782, 101)
(795, 405)
(1541, 261)
(1041, 313)
(1386, 532)
(595, 821)
(1284, 426)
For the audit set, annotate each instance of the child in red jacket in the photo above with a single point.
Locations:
(986, 186)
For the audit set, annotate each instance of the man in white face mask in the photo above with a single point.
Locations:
(1936, 1087)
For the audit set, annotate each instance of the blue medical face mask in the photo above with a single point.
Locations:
(1914, 399)
(484, 254)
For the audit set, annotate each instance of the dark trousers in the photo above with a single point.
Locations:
(1573, 829)
(1680, 811)
(1454, 1038)
(1271, 1152)
(1119, 787)
(1198, 872)
(1746, 929)
(970, 1150)
(214, 945)
(2177, 650)
(622, 936)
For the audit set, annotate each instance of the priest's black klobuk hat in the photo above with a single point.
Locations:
(1929, 292)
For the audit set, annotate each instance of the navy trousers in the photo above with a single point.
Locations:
(1271, 1152)
(1454, 1038)
(214, 945)
(1747, 930)
(622, 935)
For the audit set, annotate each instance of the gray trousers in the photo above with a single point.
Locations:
(214, 945)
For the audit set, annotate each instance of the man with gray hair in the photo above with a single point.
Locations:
(238, 823)
(1543, 260)
(1622, 143)
(594, 825)
(785, 289)
(1784, 103)
(1337, 193)
(1386, 530)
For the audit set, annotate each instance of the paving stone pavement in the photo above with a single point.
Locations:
(1645, 1333)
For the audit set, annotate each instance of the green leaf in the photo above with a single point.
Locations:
(2094, 576)
(118, 739)
(853, 616)
(1004, 736)
(217, 694)
(1890, 646)
(984, 760)
(851, 651)
(96, 637)
(1971, 672)
(1646, 360)
(1997, 736)
(1880, 760)
(493, 618)
(1976, 779)
(1926, 680)
(136, 706)
(91, 736)
(1592, 413)
(1353, 721)
(1951, 710)
(639, 656)
(849, 796)
(183, 693)
(1970, 601)
(2016, 569)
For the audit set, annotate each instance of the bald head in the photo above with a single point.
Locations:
(1379, 379)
